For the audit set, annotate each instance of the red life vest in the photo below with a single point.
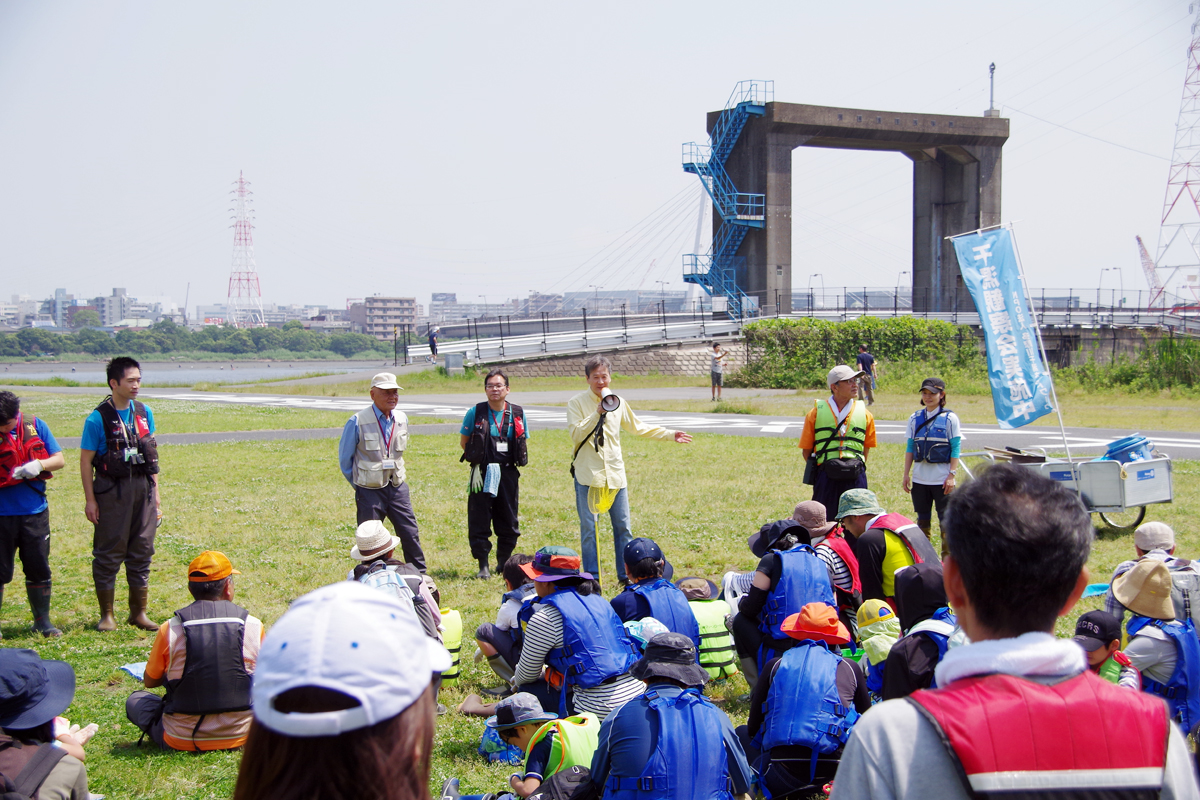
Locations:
(21, 449)
(836, 541)
(1081, 737)
(912, 536)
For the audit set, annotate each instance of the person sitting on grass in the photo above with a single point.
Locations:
(830, 544)
(1099, 634)
(1152, 541)
(650, 592)
(717, 653)
(550, 744)
(500, 641)
(373, 549)
(878, 631)
(930, 629)
(885, 543)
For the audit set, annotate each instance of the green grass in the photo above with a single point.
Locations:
(285, 516)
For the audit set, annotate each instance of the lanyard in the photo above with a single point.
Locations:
(124, 425)
(503, 416)
(387, 437)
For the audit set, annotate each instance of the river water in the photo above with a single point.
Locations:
(186, 373)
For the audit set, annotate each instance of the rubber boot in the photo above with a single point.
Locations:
(749, 666)
(105, 598)
(39, 601)
(483, 573)
(506, 673)
(139, 598)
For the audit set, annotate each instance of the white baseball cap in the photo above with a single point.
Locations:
(842, 373)
(385, 380)
(352, 639)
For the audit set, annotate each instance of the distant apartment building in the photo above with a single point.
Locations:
(112, 309)
(384, 315)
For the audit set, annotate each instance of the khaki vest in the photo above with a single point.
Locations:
(369, 455)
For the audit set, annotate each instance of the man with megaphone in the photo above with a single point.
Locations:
(595, 419)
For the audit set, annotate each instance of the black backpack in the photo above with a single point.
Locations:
(572, 783)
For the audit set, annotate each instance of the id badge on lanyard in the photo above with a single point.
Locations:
(502, 442)
(388, 463)
(129, 454)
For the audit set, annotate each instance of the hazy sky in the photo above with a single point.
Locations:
(497, 148)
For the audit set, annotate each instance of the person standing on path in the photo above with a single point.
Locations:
(371, 457)
(493, 440)
(838, 431)
(931, 457)
(866, 365)
(28, 456)
(719, 354)
(118, 463)
(597, 462)
(433, 332)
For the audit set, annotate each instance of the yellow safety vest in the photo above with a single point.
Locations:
(576, 742)
(717, 654)
(832, 439)
(452, 638)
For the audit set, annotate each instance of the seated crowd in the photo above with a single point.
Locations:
(605, 697)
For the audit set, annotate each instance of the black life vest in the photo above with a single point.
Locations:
(112, 462)
(214, 676)
(481, 445)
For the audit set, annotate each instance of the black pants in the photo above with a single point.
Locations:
(923, 497)
(485, 512)
(145, 710)
(125, 532)
(29, 535)
(392, 503)
(828, 492)
(789, 776)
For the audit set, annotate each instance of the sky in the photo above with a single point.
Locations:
(493, 149)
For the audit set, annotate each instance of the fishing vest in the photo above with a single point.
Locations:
(482, 446)
(803, 579)
(113, 462)
(914, 541)
(717, 653)
(574, 743)
(1080, 738)
(846, 439)
(803, 704)
(374, 449)
(595, 645)
(214, 677)
(18, 450)
(931, 437)
(1182, 691)
(669, 606)
(452, 628)
(689, 759)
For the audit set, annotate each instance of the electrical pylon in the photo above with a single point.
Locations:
(244, 305)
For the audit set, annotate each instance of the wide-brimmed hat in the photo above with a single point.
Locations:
(518, 709)
(670, 655)
(761, 542)
(33, 691)
(698, 588)
(554, 563)
(1146, 590)
(842, 372)
(811, 515)
(816, 621)
(1154, 536)
(858, 501)
(211, 565)
(372, 540)
(1096, 629)
(385, 380)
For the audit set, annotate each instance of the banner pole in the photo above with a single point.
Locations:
(1037, 326)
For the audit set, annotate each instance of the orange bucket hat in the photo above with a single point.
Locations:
(816, 621)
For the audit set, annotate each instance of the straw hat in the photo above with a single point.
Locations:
(372, 540)
(1146, 590)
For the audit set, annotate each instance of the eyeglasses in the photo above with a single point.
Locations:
(496, 386)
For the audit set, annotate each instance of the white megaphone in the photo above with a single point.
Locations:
(609, 401)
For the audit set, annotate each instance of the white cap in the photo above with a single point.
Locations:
(842, 373)
(352, 639)
(1154, 536)
(385, 380)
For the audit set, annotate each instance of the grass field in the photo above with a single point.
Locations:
(285, 516)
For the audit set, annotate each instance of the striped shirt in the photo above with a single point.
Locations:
(839, 573)
(544, 633)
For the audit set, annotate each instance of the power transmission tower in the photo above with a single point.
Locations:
(1179, 235)
(245, 296)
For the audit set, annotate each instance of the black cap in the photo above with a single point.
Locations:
(934, 385)
(1096, 629)
(670, 655)
(759, 543)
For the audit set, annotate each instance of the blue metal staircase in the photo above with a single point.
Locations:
(716, 271)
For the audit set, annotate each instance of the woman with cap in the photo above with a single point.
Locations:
(804, 705)
(931, 455)
(343, 700)
(41, 752)
(670, 742)
(717, 653)
(574, 631)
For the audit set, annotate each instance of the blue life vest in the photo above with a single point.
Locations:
(803, 705)
(669, 606)
(931, 443)
(1181, 692)
(875, 676)
(803, 579)
(689, 761)
(595, 646)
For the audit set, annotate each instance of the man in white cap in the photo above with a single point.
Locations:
(838, 432)
(371, 456)
(1154, 541)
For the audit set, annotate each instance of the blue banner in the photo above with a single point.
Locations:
(1020, 381)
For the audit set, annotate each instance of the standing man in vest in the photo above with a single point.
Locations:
(493, 440)
(597, 463)
(204, 655)
(118, 462)
(972, 737)
(885, 543)
(838, 431)
(28, 456)
(371, 456)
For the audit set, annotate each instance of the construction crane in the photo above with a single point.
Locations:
(1156, 287)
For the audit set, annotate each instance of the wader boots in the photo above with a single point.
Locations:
(105, 598)
(39, 602)
(483, 573)
(139, 597)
